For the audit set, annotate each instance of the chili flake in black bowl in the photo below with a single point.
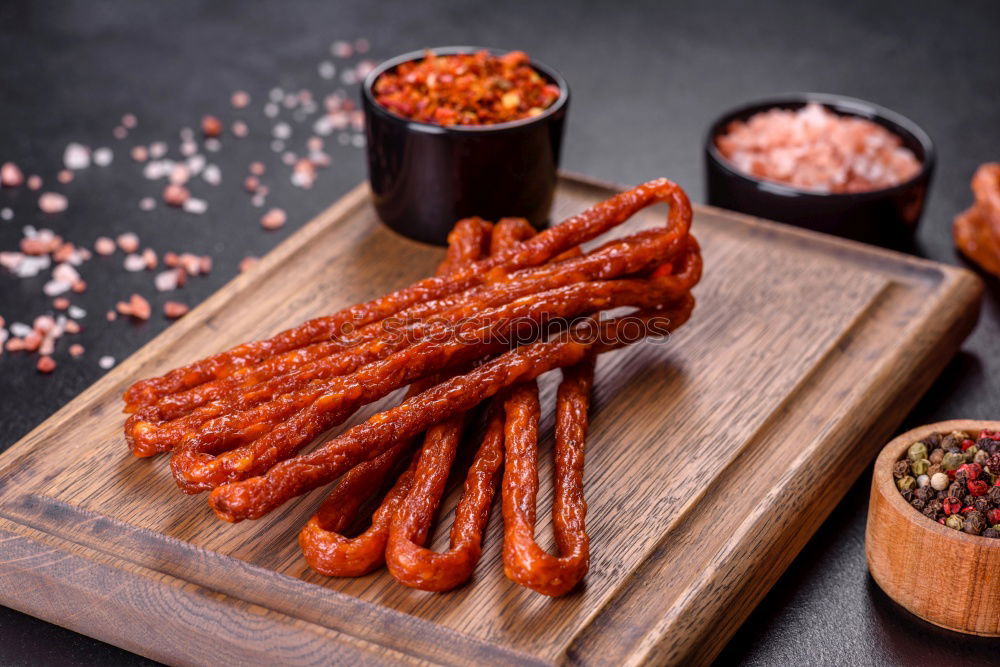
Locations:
(954, 479)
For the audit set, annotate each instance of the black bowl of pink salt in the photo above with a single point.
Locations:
(832, 164)
(462, 131)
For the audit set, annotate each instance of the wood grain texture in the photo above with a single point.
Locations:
(901, 545)
(803, 353)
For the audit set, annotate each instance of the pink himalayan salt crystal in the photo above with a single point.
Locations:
(813, 148)
(104, 246)
(128, 242)
(52, 202)
(273, 219)
(10, 175)
(240, 99)
(76, 350)
(34, 182)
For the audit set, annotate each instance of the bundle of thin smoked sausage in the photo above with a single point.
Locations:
(506, 305)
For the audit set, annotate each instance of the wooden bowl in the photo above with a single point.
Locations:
(944, 576)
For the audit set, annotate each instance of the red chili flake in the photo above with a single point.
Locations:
(466, 89)
(967, 443)
(211, 126)
(951, 505)
(972, 470)
(175, 309)
(46, 364)
(978, 487)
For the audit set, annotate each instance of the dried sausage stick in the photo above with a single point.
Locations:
(254, 497)
(406, 557)
(525, 562)
(533, 252)
(322, 539)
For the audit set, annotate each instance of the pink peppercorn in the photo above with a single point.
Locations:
(978, 487)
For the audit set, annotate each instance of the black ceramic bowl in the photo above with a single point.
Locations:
(425, 177)
(885, 217)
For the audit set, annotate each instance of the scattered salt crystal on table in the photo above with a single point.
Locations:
(34, 182)
(119, 132)
(195, 164)
(175, 195)
(248, 263)
(166, 280)
(130, 121)
(257, 168)
(56, 287)
(157, 149)
(10, 175)
(76, 312)
(128, 242)
(149, 257)
(212, 145)
(195, 206)
(211, 126)
(64, 176)
(139, 153)
(240, 99)
(342, 49)
(76, 350)
(273, 219)
(240, 129)
(147, 204)
(133, 263)
(20, 329)
(103, 157)
(76, 156)
(66, 273)
(271, 110)
(52, 202)
(212, 174)
(106, 362)
(6, 213)
(175, 309)
(282, 131)
(327, 70)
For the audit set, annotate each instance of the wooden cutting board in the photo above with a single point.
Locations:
(713, 457)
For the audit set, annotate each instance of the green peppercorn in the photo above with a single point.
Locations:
(949, 442)
(906, 483)
(970, 454)
(952, 460)
(981, 457)
(917, 451)
(954, 521)
(918, 468)
(936, 455)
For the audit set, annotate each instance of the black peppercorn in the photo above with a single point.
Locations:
(974, 523)
(948, 442)
(992, 533)
(994, 495)
(933, 440)
(918, 503)
(982, 504)
(957, 489)
(901, 469)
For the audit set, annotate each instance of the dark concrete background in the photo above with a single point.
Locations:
(647, 79)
